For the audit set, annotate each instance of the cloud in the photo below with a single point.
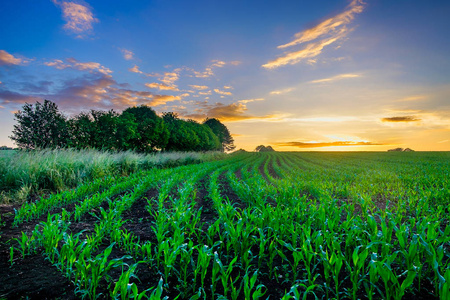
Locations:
(9, 59)
(170, 78)
(127, 54)
(198, 87)
(208, 72)
(334, 78)
(228, 87)
(311, 50)
(8, 97)
(325, 144)
(245, 101)
(222, 92)
(280, 92)
(205, 93)
(72, 63)
(135, 69)
(401, 119)
(90, 91)
(79, 18)
(161, 86)
(224, 112)
(318, 37)
(414, 98)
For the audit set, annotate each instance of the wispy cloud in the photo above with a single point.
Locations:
(280, 92)
(161, 86)
(198, 87)
(72, 63)
(79, 18)
(318, 37)
(413, 98)
(335, 78)
(224, 93)
(245, 101)
(325, 144)
(127, 54)
(9, 59)
(401, 119)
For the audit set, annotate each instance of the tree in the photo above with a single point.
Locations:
(151, 131)
(81, 128)
(221, 131)
(40, 126)
(262, 148)
(104, 129)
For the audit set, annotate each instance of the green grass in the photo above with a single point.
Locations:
(28, 173)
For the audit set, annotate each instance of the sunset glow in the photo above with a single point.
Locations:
(299, 76)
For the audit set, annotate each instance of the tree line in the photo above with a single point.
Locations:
(138, 128)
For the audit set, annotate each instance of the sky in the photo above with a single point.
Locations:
(326, 75)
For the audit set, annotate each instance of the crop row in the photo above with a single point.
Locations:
(254, 226)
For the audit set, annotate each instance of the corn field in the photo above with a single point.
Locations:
(273, 225)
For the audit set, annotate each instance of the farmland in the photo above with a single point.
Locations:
(272, 225)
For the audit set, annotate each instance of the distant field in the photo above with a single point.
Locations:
(303, 225)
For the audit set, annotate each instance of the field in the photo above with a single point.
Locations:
(251, 226)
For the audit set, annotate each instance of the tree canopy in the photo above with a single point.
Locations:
(136, 128)
(40, 126)
(221, 131)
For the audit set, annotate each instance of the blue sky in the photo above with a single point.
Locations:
(298, 75)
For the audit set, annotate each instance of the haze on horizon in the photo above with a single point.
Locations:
(297, 75)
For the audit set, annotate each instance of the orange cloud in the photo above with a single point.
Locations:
(222, 92)
(325, 144)
(163, 99)
(334, 78)
(280, 92)
(208, 72)
(327, 26)
(326, 33)
(198, 87)
(401, 119)
(245, 101)
(311, 50)
(79, 18)
(161, 86)
(72, 63)
(9, 59)
(227, 113)
(169, 78)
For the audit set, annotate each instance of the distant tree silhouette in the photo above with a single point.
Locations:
(221, 131)
(262, 148)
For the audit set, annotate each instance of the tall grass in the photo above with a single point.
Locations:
(25, 173)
